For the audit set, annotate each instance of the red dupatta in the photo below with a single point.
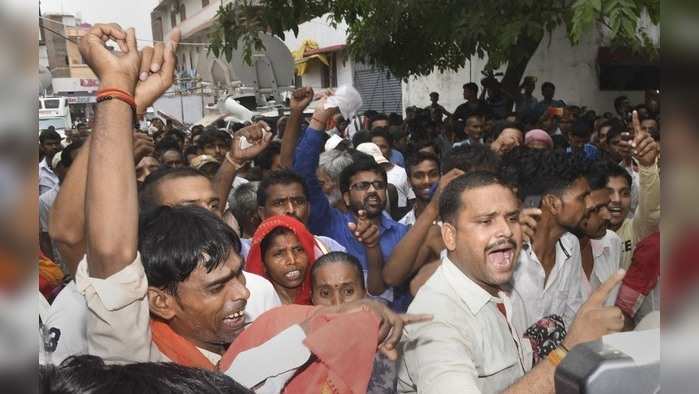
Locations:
(254, 262)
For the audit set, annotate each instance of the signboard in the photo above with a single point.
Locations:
(81, 99)
(89, 83)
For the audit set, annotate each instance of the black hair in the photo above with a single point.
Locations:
(507, 125)
(341, 258)
(264, 159)
(597, 175)
(267, 240)
(356, 167)
(419, 157)
(173, 241)
(550, 172)
(470, 158)
(616, 127)
(450, 201)
(177, 134)
(434, 94)
(614, 170)
(548, 84)
(383, 133)
(472, 86)
(361, 137)
(378, 116)
(619, 100)
(279, 177)
(394, 119)
(196, 129)
(89, 374)
(190, 150)
(67, 155)
(48, 135)
(147, 196)
(167, 143)
(210, 136)
(582, 128)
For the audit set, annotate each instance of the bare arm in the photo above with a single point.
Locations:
(67, 216)
(259, 137)
(299, 101)
(375, 283)
(403, 261)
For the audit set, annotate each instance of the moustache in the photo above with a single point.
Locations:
(500, 244)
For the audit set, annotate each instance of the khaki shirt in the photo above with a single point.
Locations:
(469, 346)
(647, 216)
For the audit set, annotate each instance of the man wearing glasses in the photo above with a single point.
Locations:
(365, 230)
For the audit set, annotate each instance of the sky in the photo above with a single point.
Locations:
(127, 13)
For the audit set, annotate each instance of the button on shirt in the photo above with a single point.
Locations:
(469, 346)
(331, 222)
(562, 293)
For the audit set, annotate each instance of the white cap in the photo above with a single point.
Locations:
(372, 150)
(332, 142)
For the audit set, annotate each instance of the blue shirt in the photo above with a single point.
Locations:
(590, 151)
(331, 222)
(397, 158)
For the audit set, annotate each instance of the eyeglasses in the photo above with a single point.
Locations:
(363, 186)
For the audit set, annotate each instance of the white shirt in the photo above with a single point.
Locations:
(408, 219)
(67, 316)
(469, 346)
(606, 253)
(399, 178)
(562, 293)
(118, 331)
(635, 188)
(262, 298)
(45, 203)
(66, 321)
(47, 179)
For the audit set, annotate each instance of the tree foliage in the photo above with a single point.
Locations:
(412, 37)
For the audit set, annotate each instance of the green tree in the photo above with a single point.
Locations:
(412, 37)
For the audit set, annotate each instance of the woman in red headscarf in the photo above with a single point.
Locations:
(282, 252)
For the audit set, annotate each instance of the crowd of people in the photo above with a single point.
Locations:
(442, 252)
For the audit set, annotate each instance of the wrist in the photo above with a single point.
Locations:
(118, 82)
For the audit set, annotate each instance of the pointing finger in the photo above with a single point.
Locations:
(600, 295)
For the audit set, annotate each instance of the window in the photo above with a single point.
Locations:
(157, 29)
(173, 19)
(328, 74)
(204, 3)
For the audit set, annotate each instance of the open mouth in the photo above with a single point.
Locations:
(293, 275)
(235, 320)
(615, 211)
(502, 257)
(372, 201)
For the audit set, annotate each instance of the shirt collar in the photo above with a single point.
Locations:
(600, 246)
(563, 248)
(474, 296)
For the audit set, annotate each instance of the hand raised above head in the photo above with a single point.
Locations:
(114, 69)
(156, 71)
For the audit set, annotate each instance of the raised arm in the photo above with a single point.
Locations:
(645, 151)
(299, 101)
(306, 163)
(258, 135)
(404, 260)
(111, 203)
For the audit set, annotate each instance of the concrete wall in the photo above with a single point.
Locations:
(571, 69)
